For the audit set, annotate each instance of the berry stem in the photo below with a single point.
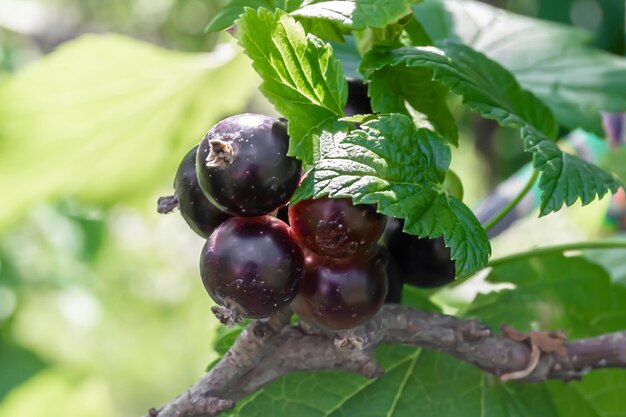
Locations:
(265, 351)
(221, 154)
(531, 181)
(166, 204)
(598, 244)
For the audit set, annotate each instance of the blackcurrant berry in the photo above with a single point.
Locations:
(336, 228)
(339, 294)
(243, 167)
(394, 283)
(283, 214)
(199, 213)
(358, 101)
(252, 266)
(422, 262)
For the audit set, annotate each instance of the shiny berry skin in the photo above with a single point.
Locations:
(358, 101)
(243, 167)
(199, 213)
(252, 265)
(336, 228)
(422, 262)
(283, 214)
(395, 283)
(339, 294)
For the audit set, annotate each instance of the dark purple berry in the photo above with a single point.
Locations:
(199, 213)
(339, 294)
(252, 266)
(394, 283)
(422, 262)
(283, 214)
(243, 167)
(336, 228)
(358, 101)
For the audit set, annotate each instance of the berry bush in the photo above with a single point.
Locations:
(346, 213)
(397, 208)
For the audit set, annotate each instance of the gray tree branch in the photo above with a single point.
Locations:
(268, 350)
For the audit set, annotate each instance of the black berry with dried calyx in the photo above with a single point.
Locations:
(421, 262)
(201, 215)
(358, 100)
(243, 167)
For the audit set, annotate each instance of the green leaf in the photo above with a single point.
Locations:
(231, 11)
(107, 118)
(379, 13)
(420, 382)
(392, 86)
(226, 336)
(566, 178)
(400, 168)
(18, 365)
(416, 34)
(551, 60)
(300, 73)
(612, 260)
(553, 292)
(493, 92)
(615, 161)
(349, 56)
(329, 20)
(486, 87)
(418, 298)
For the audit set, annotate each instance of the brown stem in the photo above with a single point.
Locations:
(268, 350)
(166, 204)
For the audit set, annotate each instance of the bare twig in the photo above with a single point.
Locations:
(268, 350)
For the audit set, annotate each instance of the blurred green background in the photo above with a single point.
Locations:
(102, 312)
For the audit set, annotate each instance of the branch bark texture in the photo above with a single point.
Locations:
(268, 350)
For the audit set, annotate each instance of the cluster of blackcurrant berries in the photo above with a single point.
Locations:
(322, 256)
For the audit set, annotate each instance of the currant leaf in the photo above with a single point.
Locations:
(492, 91)
(401, 168)
(329, 20)
(419, 91)
(379, 13)
(553, 61)
(301, 76)
(233, 8)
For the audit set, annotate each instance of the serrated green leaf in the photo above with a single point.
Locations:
(392, 85)
(485, 86)
(104, 117)
(400, 168)
(566, 178)
(329, 20)
(300, 73)
(493, 92)
(379, 13)
(231, 11)
(551, 60)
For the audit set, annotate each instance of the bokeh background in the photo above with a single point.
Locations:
(102, 312)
